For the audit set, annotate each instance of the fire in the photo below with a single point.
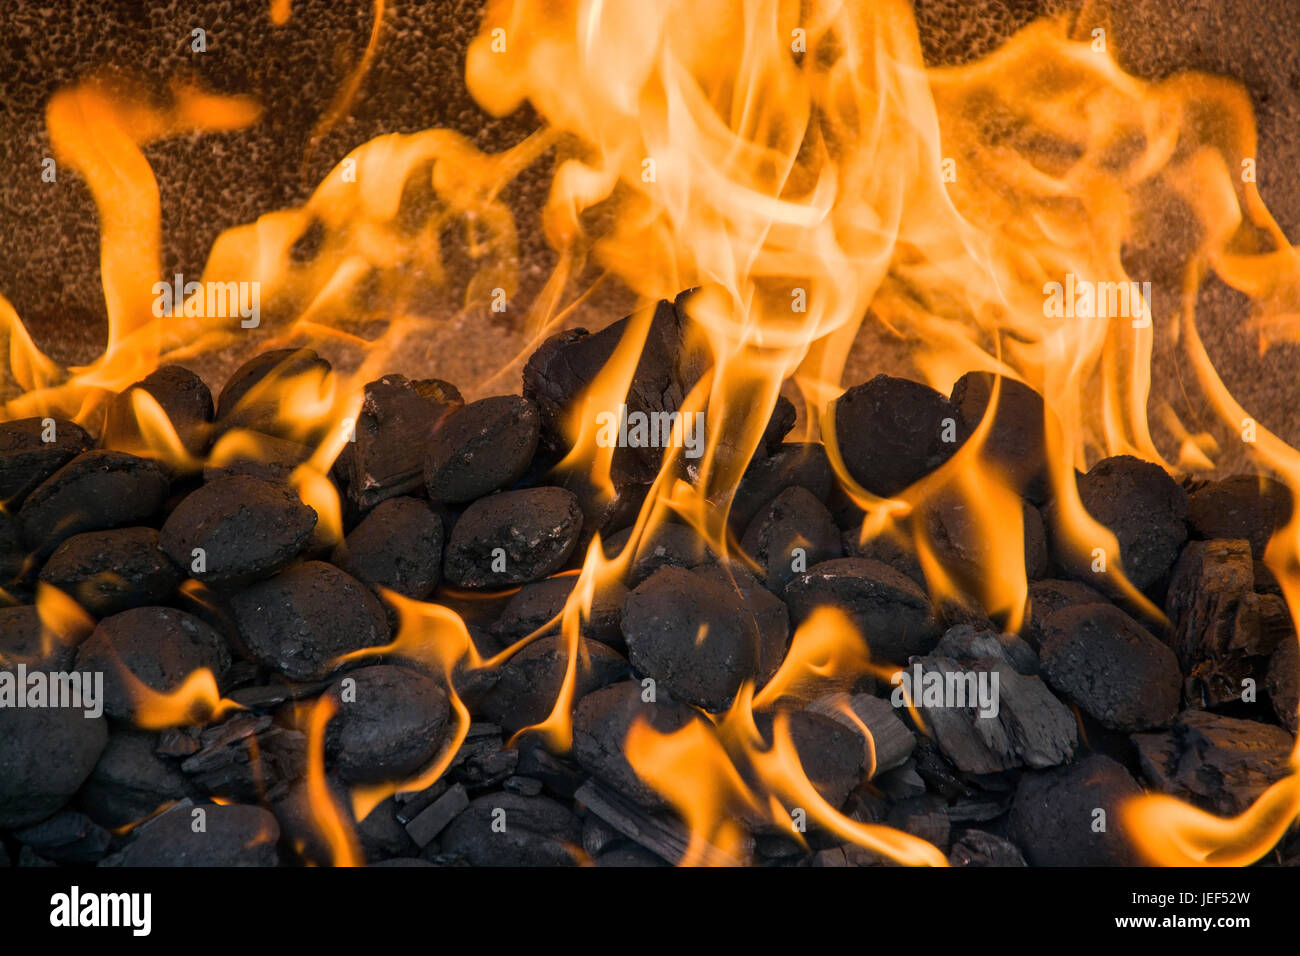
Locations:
(798, 165)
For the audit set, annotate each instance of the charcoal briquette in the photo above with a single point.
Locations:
(389, 723)
(131, 780)
(110, 571)
(1053, 819)
(481, 447)
(183, 398)
(27, 459)
(794, 531)
(232, 836)
(513, 537)
(507, 829)
(529, 683)
(398, 545)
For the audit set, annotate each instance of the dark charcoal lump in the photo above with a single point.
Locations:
(537, 529)
(181, 395)
(981, 848)
(888, 549)
(250, 398)
(1220, 763)
(398, 545)
(962, 543)
(667, 544)
(110, 571)
(1111, 666)
(771, 616)
(1049, 596)
(793, 463)
(95, 491)
(156, 646)
(1143, 507)
(481, 447)
(26, 459)
(1283, 683)
(538, 603)
(262, 456)
(692, 636)
(398, 418)
(232, 835)
(507, 829)
(1241, 506)
(1053, 816)
(245, 527)
(891, 432)
(24, 639)
(601, 722)
(1016, 444)
(380, 834)
(563, 367)
(831, 754)
(46, 753)
(388, 725)
(130, 781)
(890, 612)
(795, 519)
(529, 683)
(299, 621)
(66, 837)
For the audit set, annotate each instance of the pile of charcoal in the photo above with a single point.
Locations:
(225, 568)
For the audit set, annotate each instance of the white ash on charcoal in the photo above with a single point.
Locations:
(252, 395)
(980, 848)
(66, 837)
(1049, 596)
(887, 607)
(158, 647)
(962, 545)
(506, 829)
(1144, 508)
(887, 549)
(1219, 763)
(601, 721)
(235, 529)
(1214, 619)
(794, 531)
(1016, 443)
(389, 723)
(771, 616)
(1055, 819)
(984, 715)
(892, 432)
(398, 546)
(260, 456)
(528, 684)
(1111, 666)
(891, 741)
(131, 780)
(299, 621)
(695, 638)
(667, 544)
(182, 397)
(111, 571)
(95, 491)
(1252, 507)
(231, 835)
(802, 464)
(46, 754)
(25, 639)
(246, 758)
(481, 447)
(398, 417)
(537, 604)
(33, 449)
(380, 835)
(1283, 683)
(513, 537)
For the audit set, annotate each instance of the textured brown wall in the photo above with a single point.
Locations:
(48, 232)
